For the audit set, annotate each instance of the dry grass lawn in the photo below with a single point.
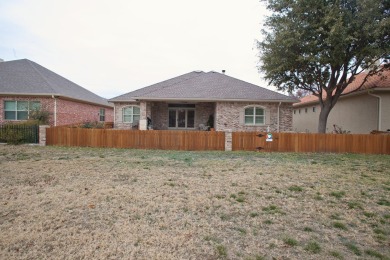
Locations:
(84, 203)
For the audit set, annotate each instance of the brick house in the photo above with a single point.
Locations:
(26, 85)
(199, 100)
(358, 110)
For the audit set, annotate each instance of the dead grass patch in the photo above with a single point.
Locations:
(136, 204)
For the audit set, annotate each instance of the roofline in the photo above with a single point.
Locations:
(54, 95)
(360, 92)
(203, 100)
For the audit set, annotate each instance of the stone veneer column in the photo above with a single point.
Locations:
(142, 121)
(42, 134)
(228, 140)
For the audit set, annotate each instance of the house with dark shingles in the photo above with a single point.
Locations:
(359, 110)
(26, 85)
(197, 99)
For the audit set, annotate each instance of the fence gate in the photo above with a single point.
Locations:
(255, 141)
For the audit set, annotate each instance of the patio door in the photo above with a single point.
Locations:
(181, 118)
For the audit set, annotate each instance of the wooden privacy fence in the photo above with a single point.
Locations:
(152, 139)
(302, 142)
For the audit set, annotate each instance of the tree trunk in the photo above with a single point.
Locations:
(323, 118)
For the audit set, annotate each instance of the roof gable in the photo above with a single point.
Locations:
(25, 77)
(204, 86)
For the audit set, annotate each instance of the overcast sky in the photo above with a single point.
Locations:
(114, 47)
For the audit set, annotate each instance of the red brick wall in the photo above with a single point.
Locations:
(71, 112)
(47, 104)
(68, 112)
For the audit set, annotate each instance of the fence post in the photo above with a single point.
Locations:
(42, 134)
(228, 140)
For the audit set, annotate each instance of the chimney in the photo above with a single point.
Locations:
(223, 71)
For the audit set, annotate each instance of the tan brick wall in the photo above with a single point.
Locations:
(159, 111)
(118, 122)
(202, 113)
(230, 116)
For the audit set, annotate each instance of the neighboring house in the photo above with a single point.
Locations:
(359, 110)
(26, 85)
(190, 101)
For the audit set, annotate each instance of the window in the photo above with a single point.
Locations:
(254, 116)
(314, 109)
(102, 115)
(19, 110)
(181, 116)
(131, 114)
(295, 111)
(305, 110)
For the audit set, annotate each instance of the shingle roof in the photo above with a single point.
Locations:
(25, 77)
(377, 81)
(199, 85)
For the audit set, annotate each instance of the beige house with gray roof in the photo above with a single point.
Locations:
(358, 111)
(200, 100)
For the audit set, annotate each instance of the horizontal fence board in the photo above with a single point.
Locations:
(305, 142)
(151, 139)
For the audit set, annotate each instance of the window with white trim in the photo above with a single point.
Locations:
(254, 116)
(20, 110)
(102, 115)
(131, 114)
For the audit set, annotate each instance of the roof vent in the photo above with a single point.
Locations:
(1, 60)
(223, 71)
(198, 71)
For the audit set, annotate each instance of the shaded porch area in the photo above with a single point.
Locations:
(159, 115)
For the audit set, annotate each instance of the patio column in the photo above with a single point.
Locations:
(145, 110)
(142, 121)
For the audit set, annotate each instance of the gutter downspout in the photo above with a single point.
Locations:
(114, 117)
(280, 103)
(379, 109)
(55, 109)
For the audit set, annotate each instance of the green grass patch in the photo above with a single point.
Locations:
(379, 231)
(384, 202)
(355, 205)
(369, 214)
(354, 248)
(337, 194)
(307, 229)
(336, 254)
(295, 188)
(290, 241)
(272, 209)
(376, 254)
(313, 247)
(221, 251)
(340, 225)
